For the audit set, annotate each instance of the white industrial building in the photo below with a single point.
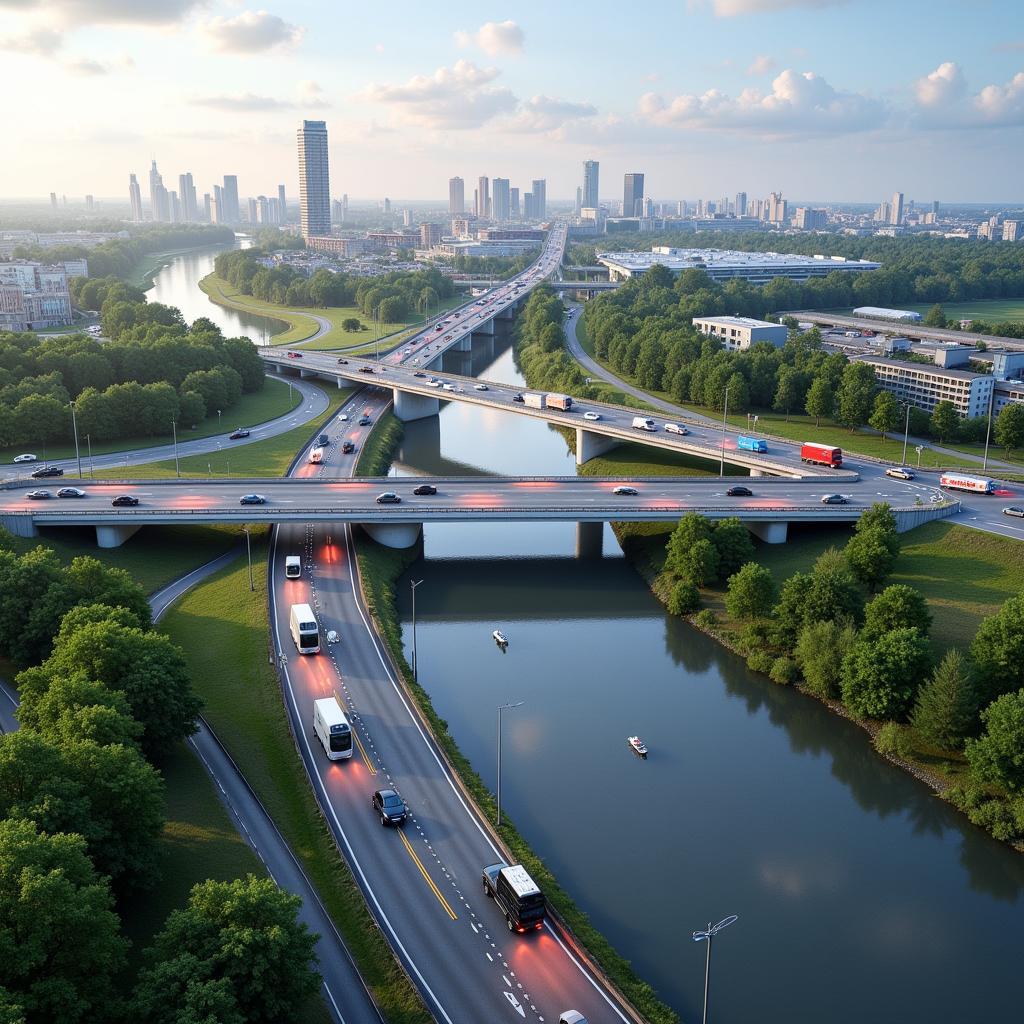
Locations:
(925, 386)
(728, 264)
(907, 316)
(738, 333)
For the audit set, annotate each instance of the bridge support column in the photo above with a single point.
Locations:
(20, 526)
(464, 344)
(589, 540)
(410, 406)
(114, 536)
(304, 374)
(773, 532)
(485, 327)
(589, 445)
(758, 472)
(394, 535)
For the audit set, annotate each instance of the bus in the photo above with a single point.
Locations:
(332, 728)
(751, 444)
(963, 482)
(305, 631)
(821, 454)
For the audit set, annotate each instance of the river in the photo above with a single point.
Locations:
(860, 895)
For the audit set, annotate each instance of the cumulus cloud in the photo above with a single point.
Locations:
(250, 32)
(735, 8)
(761, 65)
(943, 101)
(109, 12)
(798, 104)
(547, 114)
(244, 103)
(1002, 105)
(494, 37)
(942, 86)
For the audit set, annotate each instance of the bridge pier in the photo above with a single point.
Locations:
(589, 540)
(464, 344)
(774, 531)
(20, 526)
(410, 406)
(485, 327)
(114, 536)
(305, 374)
(394, 535)
(589, 445)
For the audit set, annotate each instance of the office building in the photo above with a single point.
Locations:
(187, 198)
(430, 235)
(88, 204)
(681, 208)
(483, 197)
(777, 209)
(314, 179)
(1011, 230)
(810, 220)
(135, 197)
(207, 207)
(591, 172)
(456, 196)
(251, 211)
(282, 205)
(896, 209)
(502, 200)
(647, 207)
(53, 200)
(632, 194)
(578, 205)
(514, 203)
(925, 386)
(738, 333)
(159, 205)
(217, 210)
(174, 205)
(528, 211)
(35, 295)
(540, 198)
(741, 204)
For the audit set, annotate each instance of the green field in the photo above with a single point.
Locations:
(273, 400)
(993, 310)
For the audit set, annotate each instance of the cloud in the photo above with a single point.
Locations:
(244, 103)
(1011, 46)
(547, 114)
(942, 86)
(459, 97)
(250, 32)
(761, 65)
(110, 12)
(1002, 105)
(311, 93)
(494, 37)
(39, 42)
(943, 101)
(798, 104)
(735, 8)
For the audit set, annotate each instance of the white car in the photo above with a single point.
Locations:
(480, 387)
(343, 418)
(25, 458)
(448, 387)
(899, 473)
(591, 415)
(674, 428)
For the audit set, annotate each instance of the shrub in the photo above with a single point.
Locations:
(998, 755)
(893, 740)
(761, 661)
(751, 592)
(706, 619)
(784, 670)
(820, 650)
(683, 598)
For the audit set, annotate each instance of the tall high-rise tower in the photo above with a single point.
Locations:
(632, 194)
(540, 198)
(232, 214)
(483, 197)
(159, 205)
(590, 190)
(282, 205)
(896, 214)
(741, 204)
(456, 196)
(502, 200)
(135, 195)
(314, 180)
(187, 197)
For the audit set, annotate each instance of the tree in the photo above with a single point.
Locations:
(947, 705)
(873, 549)
(820, 650)
(683, 598)
(691, 528)
(393, 310)
(935, 317)
(881, 676)
(886, 413)
(855, 395)
(732, 541)
(58, 929)
(699, 564)
(241, 942)
(944, 421)
(1009, 427)
(894, 608)
(751, 592)
(998, 754)
(998, 650)
(820, 399)
(787, 393)
(351, 323)
(191, 408)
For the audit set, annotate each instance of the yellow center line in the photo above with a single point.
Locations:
(362, 750)
(423, 871)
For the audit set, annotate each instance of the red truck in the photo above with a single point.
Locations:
(821, 454)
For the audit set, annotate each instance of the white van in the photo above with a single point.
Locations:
(643, 423)
(332, 728)
(293, 567)
(674, 428)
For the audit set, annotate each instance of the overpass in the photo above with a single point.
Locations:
(584, 500)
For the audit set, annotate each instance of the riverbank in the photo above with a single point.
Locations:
(379, 570)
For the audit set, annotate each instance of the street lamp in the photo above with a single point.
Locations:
(503, 707)
(218, 421)
(414, 584)
(988, 428)
(725, 426)
(919, 448)
(74, 427)
(174, 432)
(708, 934)
(906, 435)
(248, 551)
(88, 441)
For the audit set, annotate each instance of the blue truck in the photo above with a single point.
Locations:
(751, 444)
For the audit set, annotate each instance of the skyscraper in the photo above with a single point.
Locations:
(896, 212)
(591, 169)
(53, 200)
(174, 207)
(187, 197)
(632, 194)
(217, 210)
(540, 198)
(741, 204)
(232, 215)
(579, 200)
(483, 197)
(456, 196)
(528, 206)
(514, 203)
(159, 206)
(777, 208)
(207, 208)
(502, 200)
(135, 195)
(282, 205)
(314, 180)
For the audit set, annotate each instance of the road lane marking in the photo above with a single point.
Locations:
(362, 750)
(423, 871)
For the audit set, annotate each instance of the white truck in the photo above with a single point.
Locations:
(557, 401)
(534, 401)
(643, 423)
(316, 455)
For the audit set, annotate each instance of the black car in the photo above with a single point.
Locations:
(390, 806)
(125, 501)
(238, 434)
(47, 471)
(366, 369)
(419, 373)
(388, 498)
(425, 489)
(323, 439)
(739, 491)
(517, 398)
(364, 420)
(71, 492)
(252, 499)
(347, 447)
(43, 495)
(343, 362)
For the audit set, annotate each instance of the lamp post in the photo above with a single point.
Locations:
(174, 433)
(74, 427)
(248, 551)
(88, 441)
(988, 428)
(707, 934)
(919, 448)
(725, 426)
(218, 421)
(906, 435)
(414, 584)
(503, 707)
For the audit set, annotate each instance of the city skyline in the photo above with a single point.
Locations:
(826, 124)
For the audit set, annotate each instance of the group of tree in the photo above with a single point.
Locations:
(81, 812)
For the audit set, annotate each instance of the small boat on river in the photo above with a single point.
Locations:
(500, 639)
(638, 745)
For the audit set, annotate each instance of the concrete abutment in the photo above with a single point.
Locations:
(394, 535)
(410, 406)
(590, 445)
(115, 536)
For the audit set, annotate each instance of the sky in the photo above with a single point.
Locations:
(825, 100)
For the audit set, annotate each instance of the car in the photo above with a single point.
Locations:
(1014, 510)
(739, 491)
(591, 415)
(388, 498)
(366, 369)
(675, 428)
(364, 420)
(448, 387)
(834, 499)
(323, 439)
(625, 491)
(125, 501)
(238, 434)
(347, 447)
(25, 458)
(481, 387)
(571, 1017)
(343, 362)
(252, 499)
(71, 492)
(343, 418)
(294, 355)
(38, 474)
(518, 398)
(39, 495)
(899, 473)
(390, 806)
(425, 489)
(419, 373)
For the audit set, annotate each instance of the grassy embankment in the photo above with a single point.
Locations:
(379, 569)
(801, 427)
(302, 323)
(251, 409)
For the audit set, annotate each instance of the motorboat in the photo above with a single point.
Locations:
(499, 638)
(638, 745)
